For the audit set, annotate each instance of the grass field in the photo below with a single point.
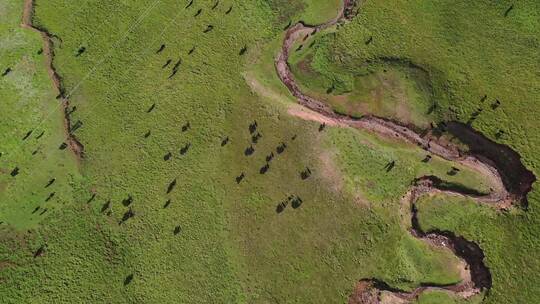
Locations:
(469, 50)
(178, 227)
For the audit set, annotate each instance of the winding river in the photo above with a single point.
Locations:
(507, 186)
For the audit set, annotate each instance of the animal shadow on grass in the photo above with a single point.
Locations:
(91, 199)
(281, 148)
(14, 172)
(167, 156)
(6, 71)
(305, 174)
(40, 251)
(51, 181)
(106, 206)
(185, 149)
(390, 166)
(281, 206)
(161, 48)
(152, 107)
(127, 215)
(229, 10)
(225, 141)
(51, 195)
(177, 230)
(253, 127)
(453, 171)
(80, 51)
(27, 135)
(240, 178)
(167, 204)
(186, 127)
(128, 279)
(127, 201)
(171, 186)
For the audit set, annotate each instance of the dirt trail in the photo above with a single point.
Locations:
(48, 51)
(476, 277)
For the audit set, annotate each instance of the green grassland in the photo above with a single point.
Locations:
(468, 50)
(232, 245)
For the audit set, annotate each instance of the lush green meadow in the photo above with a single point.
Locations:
(132, 223)
(471, 54)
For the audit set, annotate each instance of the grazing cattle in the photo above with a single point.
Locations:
(177, 230)
(225, 141)
(249, 151)
(198, 12)
(281, 148)
(370, 39)
(255, 138)
(215, 5)
(240, 177)
(129, 214)
(495, 105)
(243, 50)
(305, 174)
(40, 135)
(167, 156)
(152, 107)
(40, 251)
(264, 168)
(229, 10)
(192, 50)
(147, 134)
(40, 51)
(63, 146)
(171, 186)
(483, 98)
(43, 211)
(253, 127)
(208, 28)
(269, 157)
(15, 172)
(426, 159)
(299, 48)
(161, 48)
(185, 149)
(6, 71)
(35, 151)
(322, 127)
(293, 137)
(80, 51)
(167, 203)
(499, 134)
(128, 279)
(186, 127)
(453, 171)
(35, 210)
(51, 181)
(189, 4)
(281, 206)
(296, 202)
(507, 12)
